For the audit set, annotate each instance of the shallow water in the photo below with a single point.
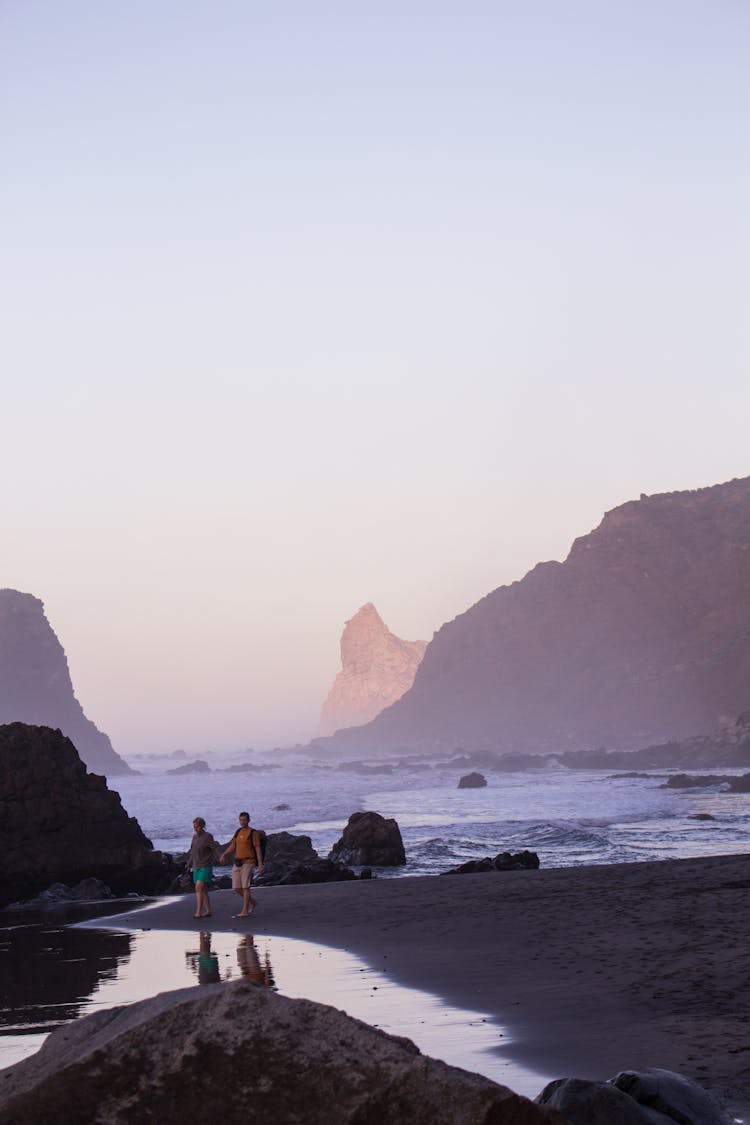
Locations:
(84, 968)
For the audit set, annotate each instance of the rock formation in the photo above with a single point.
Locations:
(35, 684)
(267, 1058)
(645, 1097)
(472, 780)
(369, 838)
(292, 859)
(642, 634)
(62, 824)
(376, 669)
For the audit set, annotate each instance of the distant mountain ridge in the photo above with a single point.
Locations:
(35, 684)
(377, 667)
(641, 635)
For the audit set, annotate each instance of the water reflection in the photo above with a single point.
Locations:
(250, 963)
(48, 972)
(205, 963)
(92, 969)
(202, 961)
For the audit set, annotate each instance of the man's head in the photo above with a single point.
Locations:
(244, 819)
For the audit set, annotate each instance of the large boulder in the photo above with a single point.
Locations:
(370, 839)
(597, 1103)
(679, 1098)
(645, 1097)
(267, 1058)
(61, 824)
(292, 859)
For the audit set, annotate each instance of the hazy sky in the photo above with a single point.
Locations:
(308, 304)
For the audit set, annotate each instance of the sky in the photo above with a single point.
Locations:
(310, 304)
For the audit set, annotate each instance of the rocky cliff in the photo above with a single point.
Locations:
(642, 634)
(376, 669)
(35, 684)
(62, 824)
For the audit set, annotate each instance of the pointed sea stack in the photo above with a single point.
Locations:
(35, 684)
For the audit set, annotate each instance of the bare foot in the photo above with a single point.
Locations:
(242, 914)
(197, 915)
(253, 904)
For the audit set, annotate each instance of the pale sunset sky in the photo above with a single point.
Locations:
(308, 304)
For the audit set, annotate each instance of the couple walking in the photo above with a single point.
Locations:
(245, 844)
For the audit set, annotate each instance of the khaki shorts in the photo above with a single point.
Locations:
(242, 876)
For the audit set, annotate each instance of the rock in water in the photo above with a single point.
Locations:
(472, 781)
(61, 824)
(35, 684)
(370, 838)
(246, 1054)
(376, 669)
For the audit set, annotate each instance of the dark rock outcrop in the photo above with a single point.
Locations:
(645, 1097)
(199, 766)
(377, 667)
(292, 859)
(472, 781)
(370, 838)
(35, 684)
(148, 1062)
(61, 823)
(642, 634)
(674, 1095)
(521, 861)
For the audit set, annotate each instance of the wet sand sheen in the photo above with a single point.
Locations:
(591, 969)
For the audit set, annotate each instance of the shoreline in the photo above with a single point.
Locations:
(592, 969)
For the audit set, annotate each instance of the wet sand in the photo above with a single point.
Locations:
(593, 970)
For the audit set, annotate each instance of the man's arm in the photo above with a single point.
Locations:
(229, 848)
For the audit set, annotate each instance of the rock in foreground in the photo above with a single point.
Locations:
(645, 1097)
(61, 824)
(370, 838)
(246, 1053)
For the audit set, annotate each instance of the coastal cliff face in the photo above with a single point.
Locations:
(376, 669)
(642, 634)
(35, 684)
(61, 823)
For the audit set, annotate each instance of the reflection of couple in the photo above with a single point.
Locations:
(206, 963)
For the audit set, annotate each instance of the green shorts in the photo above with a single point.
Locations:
(203, 875)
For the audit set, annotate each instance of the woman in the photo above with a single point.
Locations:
(201, 860)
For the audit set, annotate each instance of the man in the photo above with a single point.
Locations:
(246, 847)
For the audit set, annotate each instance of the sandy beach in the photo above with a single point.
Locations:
(593, 970)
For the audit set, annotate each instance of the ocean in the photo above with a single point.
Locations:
(567, 816)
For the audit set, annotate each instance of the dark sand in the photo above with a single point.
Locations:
(592, 970)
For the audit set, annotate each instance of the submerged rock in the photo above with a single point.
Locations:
(369, 838)
(266, 1058)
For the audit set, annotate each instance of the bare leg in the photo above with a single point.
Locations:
(198, 899)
